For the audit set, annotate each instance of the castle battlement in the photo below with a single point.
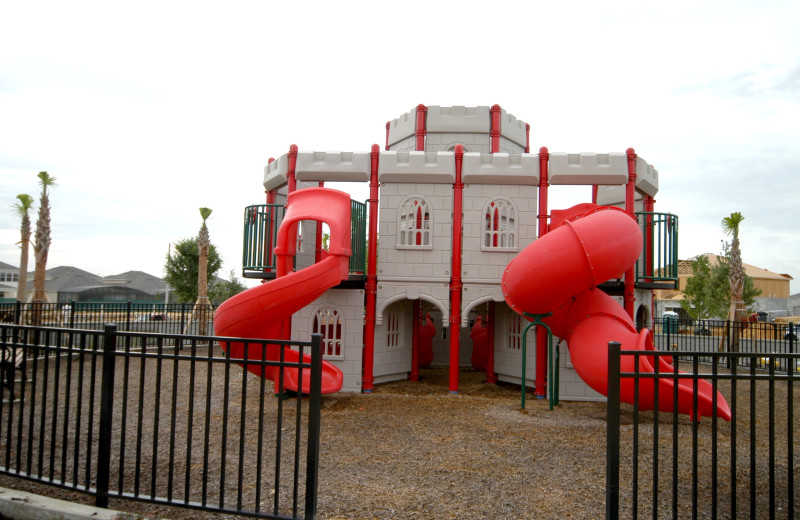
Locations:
(646, 177)
(458, 119)
(403, 127)
(588, 168)
(333, 166)
(444, 125)
(500, 168)
(513, 129)
(424, 167)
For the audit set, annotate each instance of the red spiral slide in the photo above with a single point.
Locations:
(559, 273)
(265, 311)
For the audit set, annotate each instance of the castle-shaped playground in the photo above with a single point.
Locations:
(438, 266)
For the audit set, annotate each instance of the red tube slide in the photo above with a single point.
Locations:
(264, 312)
(559, 273)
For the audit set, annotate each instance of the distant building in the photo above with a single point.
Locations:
(67, 283)
(8, 281)
(775, 289)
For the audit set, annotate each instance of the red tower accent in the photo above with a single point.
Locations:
(630, 208)
(455, 276)
(527, 138)
(494, 132)
(421, 127)
(371, 284)
(290, 174)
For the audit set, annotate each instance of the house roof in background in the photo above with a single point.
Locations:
(73, 279)
(685, 268)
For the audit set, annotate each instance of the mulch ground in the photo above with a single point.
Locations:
(414, 451)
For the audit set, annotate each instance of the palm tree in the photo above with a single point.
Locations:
(737, 312)
(203, 244)
(22, 209)
(41, 247)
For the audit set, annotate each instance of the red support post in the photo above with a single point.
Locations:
(540, 382)
(491, 375)
(318, 244)
(630, 208)
(371, 284)
(455, 276)
(595, 189)
(421, 127)
(494, 132)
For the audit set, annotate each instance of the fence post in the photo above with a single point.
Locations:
(18, 313)
(612, 432)
(314, 406)
(106, 414)
(183, 318)
(728, 342)
(128, 315)
(72, 314)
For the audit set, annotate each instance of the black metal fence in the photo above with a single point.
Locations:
(665, 465)
(178, 423)
(170, 318)
(761, 338)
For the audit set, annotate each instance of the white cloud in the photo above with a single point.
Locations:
(145, 112)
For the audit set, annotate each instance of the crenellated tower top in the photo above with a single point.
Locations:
(480, 129)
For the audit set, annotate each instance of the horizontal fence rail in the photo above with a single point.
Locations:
(169, 318)
(664, 465)
(172, 420)
(761, 338)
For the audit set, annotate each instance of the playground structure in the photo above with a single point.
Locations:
(461, 208)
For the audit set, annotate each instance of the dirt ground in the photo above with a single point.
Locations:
(414, 451)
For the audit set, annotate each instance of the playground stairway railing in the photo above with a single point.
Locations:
(660, 464)
(260, 235)
(104, 414)
(658, 266)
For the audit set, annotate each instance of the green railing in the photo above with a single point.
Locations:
(358, 237)
(261, 223)
(659, 262)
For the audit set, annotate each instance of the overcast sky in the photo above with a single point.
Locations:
(146, 111)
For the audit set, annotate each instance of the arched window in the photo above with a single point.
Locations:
(329, 322)
(514, 332)
(393, 329)
(499, 226)
(415, 223)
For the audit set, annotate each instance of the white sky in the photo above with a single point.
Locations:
(146, 111)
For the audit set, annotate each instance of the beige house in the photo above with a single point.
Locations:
(775, 288)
